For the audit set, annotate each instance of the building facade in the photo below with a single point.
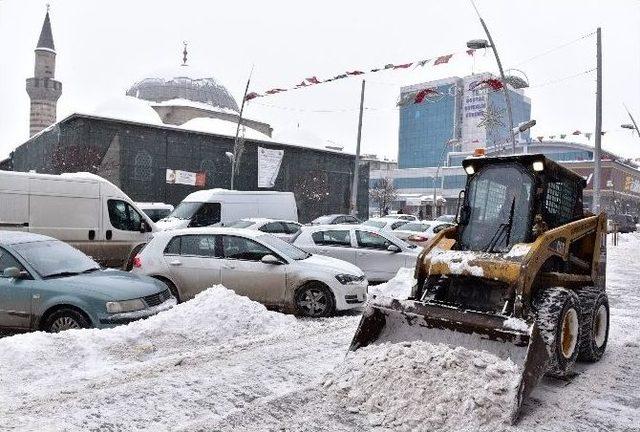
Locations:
(135, 157)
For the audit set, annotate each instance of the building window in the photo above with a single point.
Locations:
(143, 166)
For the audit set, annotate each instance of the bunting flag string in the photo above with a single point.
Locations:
(562, 136)
(418, 97)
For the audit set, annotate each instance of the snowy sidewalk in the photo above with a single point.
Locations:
(222, 362)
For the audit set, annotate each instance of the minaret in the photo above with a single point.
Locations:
(43, 89)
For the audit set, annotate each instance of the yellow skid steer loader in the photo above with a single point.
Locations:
(522, 275)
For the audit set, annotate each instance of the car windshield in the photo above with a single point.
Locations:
(55, 258)
(376, 224)
(185, 210)
(284, 248)
(414, 226)
(239, 224)
(322, 220)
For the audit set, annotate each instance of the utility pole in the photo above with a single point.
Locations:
(234, 160)
(356, 170)
(597, 159)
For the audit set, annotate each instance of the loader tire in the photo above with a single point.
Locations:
(594, 304)
(558, 317)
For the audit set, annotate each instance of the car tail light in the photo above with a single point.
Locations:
(137, 262)
(418, 238)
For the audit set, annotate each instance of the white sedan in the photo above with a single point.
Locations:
(419, 233)
(283, 229)
(378, 253)
(385, 223)
(253, 264)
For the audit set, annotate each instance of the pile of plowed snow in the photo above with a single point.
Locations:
(217, 315)
(419, 386)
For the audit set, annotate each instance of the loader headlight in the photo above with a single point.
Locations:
(538, 166)
(345, 279)
(469, 169)
(125, 306)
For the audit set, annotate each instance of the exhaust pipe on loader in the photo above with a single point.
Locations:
(392, 320)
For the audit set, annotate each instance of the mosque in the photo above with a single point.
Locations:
(175, 119)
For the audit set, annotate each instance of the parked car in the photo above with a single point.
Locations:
(446, 218)
(334, 219)
(419, 233)
(45, 284)
(379, 254)
(385, 223)
(155, 211)
(402, 216)
(623, 223)
(254, 264)
(283, 229)
(81, 209)
(212, 206)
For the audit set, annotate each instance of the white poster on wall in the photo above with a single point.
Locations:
(474, 104)
(268, 166)
(185, 178)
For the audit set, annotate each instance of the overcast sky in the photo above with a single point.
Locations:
(105, 46)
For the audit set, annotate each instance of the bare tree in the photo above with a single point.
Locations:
(383, 193)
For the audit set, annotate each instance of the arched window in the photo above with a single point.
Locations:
(143, 170)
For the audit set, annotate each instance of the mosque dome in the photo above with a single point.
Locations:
(184, 83)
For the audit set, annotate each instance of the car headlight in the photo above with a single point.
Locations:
(125, 306)
(345, 279)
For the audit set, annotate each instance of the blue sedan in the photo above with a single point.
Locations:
(46, 284)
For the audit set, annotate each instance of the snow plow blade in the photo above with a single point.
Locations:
(392, 320)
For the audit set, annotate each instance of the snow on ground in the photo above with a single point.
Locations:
(221, 362)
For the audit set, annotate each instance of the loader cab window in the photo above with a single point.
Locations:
(562, 203)
(498, 208)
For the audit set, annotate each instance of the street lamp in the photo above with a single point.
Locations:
(435, 178)
(232, 158)
(483, 43)
(627, 126)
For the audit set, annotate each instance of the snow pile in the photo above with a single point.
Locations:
(515, 324)
(420, 386)
(399, 287)
(518, 250)
(221, 127)
(215, 316)
(129, 109)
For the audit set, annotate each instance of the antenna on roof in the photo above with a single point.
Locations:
(184, 53)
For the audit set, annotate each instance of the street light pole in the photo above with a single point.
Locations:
(597, 160)
(435, 178)
(502, 78)
(356, 169)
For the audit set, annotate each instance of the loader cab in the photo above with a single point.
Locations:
(503, 196)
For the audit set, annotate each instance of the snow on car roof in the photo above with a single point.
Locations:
(17, 237)
(211, 230)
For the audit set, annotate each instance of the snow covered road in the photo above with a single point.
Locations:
(222, 362)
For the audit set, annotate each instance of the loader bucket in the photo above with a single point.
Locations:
(391, 320)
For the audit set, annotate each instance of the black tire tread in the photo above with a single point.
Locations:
(549, 304)
(590, 298)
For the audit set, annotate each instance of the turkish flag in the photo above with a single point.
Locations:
(443, 59)
(251, 95)
(357, 72)
(402, 66)
(313, 80)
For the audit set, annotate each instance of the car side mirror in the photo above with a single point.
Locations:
(144, 227)
(270, 259)
(393, 248)
(11, 273)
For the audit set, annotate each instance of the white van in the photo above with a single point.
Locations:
(81, 209)
(212, 206)
(155, 210)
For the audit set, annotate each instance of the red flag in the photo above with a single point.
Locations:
(402, 66)
(251, 95)
(422, 94)
(356, 72)
(495, 84)
(274, 91)
(471, 52)
(313, 80)
(443, 59)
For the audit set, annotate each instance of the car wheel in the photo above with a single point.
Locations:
(314, 300)
(66, 319)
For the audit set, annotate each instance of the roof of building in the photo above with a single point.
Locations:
(46, 37)
(185, 83)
